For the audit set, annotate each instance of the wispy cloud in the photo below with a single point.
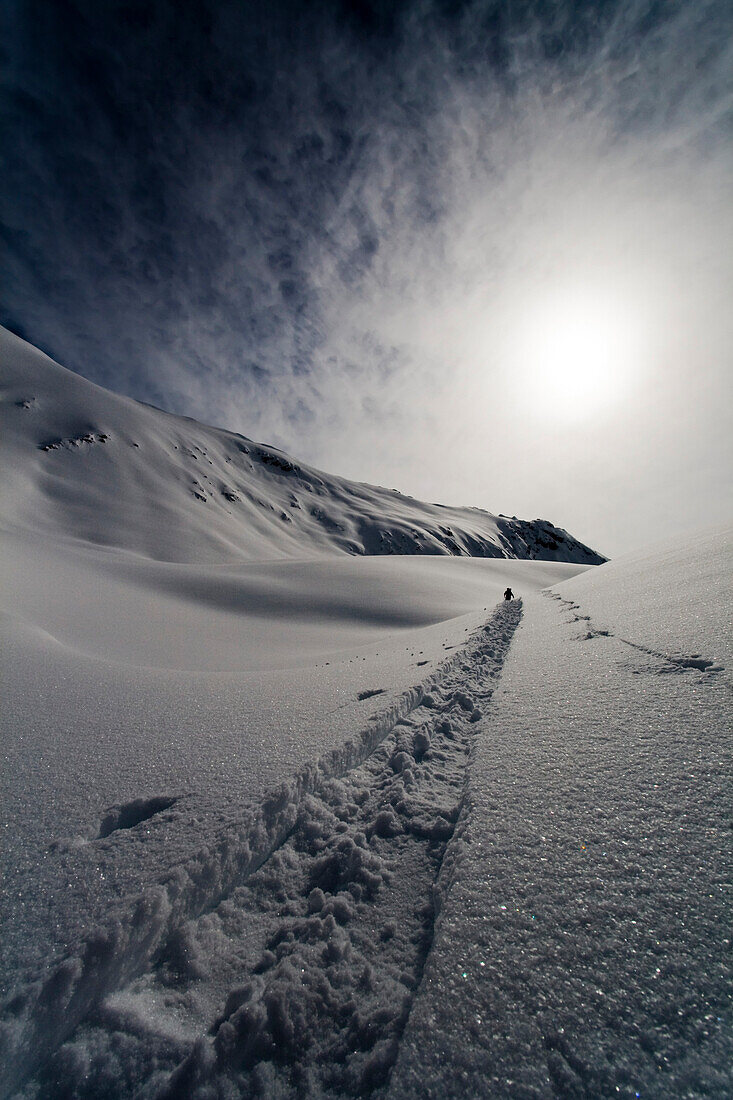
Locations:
(332, 231)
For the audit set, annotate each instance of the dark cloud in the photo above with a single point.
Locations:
(168, 163)
(288, 217)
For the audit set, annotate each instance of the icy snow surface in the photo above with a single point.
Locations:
(515, 881)
(177, 682)
(136, 798)
(283, 822)
(583, 945)
(239, 701)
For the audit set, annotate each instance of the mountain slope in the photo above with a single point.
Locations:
(84, 463)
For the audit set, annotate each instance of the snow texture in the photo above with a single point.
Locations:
(281, 819)
(301, 977)
(584, 948)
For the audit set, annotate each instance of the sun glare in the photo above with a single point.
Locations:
(577, 354)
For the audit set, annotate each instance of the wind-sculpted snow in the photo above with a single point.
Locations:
(84, 463)
(284, 955)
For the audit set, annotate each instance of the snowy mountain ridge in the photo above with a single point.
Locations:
(93, 466)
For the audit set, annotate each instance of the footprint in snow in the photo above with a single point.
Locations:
(129, 814)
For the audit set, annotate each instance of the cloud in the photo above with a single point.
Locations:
(330, 225)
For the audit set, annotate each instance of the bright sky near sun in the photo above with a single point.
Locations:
(578, 353)
(478, 255)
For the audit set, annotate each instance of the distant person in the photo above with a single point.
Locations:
(508, 595)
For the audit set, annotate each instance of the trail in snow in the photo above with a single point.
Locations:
(583, 949)
(297, 979)
(666, 662)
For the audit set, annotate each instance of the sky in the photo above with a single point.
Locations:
(480, 252)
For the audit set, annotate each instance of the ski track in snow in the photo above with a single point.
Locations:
(666, 662)
(283, 960)
(583, 949)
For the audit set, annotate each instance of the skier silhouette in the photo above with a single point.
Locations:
(508, 595)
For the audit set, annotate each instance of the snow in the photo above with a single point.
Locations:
(223, 704)
(282, 819)
(90, 466)
(583, 947)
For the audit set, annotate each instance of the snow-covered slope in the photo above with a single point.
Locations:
(82, 462)
(282, 819)
(171, 655)
(508, 879)
(583, 946)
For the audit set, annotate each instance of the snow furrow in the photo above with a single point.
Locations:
(667, 662)
(319, 902)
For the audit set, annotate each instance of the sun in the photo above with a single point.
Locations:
(577, 351)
